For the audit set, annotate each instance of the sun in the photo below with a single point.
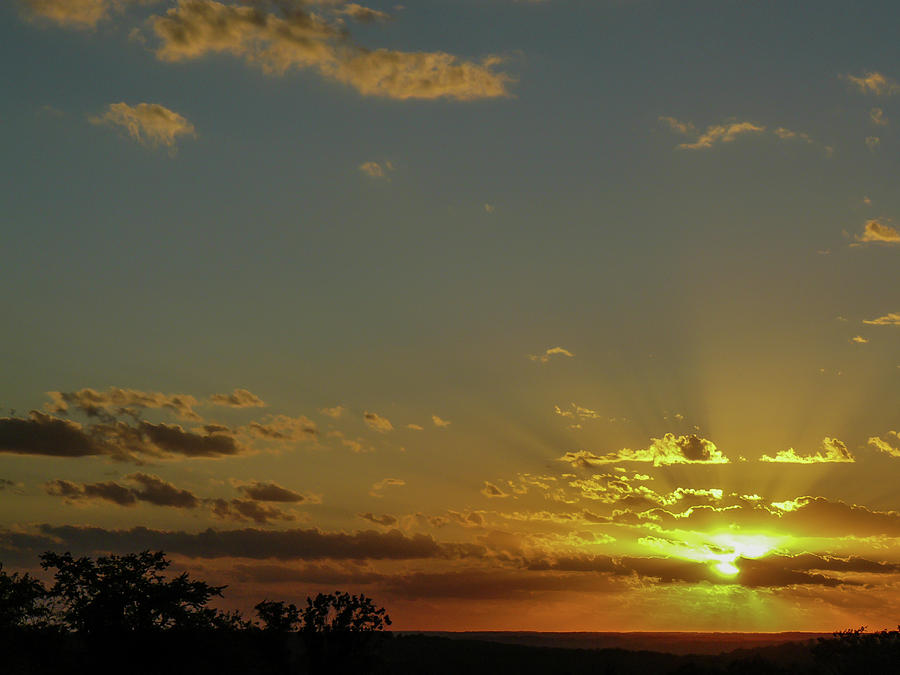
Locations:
(721, 550)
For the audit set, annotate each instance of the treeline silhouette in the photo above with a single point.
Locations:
(124, 614)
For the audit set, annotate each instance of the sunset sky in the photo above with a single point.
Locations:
(557, 315)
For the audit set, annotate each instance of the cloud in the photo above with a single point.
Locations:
(283, 428)
(116, 401)
(269, 492)
(835, 451)
(438, 422)
(334, 413)
(577, 411)
(376, 489)
(859, 339)
(492, 491)
(886, 446)
(110, 491)
(304, 39)
(363, 14)
(376, 170)
(874, 83)
(43, 434)
(377, 422)
(157, 491)
(173, 440)
(717, 133)
(248, 509)
(669, 449)
(80, 14)
(151, 489)
(553, 351)
(872, 142)
(150, 124)
(356, 445)
(290, 544)
(890, 319)
(239, 398)
(384, 519)
(415, 427)
(877, 116)
(879, 233)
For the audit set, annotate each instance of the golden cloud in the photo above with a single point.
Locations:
(878, 232)
(890, 319)
(377, 422)
(874, 83)
(886, 446)
(239, 398)
(376, 170)
(115, 401)
(835, 451)
(716, 133)
(150, 124)
(301, 39)
(69, 13)
(669, 449)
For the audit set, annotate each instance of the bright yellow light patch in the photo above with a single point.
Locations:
(720, 550)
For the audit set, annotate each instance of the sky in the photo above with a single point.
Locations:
(559, 315)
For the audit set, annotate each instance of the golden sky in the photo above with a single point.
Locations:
(557, 315)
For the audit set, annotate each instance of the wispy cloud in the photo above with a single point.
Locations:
(890, 319)
(877, 232)
(376, 170)
(834, 451)
(873, 82)
(549, 353)
(79, 14)
(300, 38)
(890, 447)
(239, 398)
(714, 134)
(438, 422)
(150, 124)
(378, 488)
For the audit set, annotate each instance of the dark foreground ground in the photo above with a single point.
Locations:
(261, 653)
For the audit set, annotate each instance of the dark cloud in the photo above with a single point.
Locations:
(43, 434)
(292, 544)
(157, 491)
(248, 509)
(152, 489)
(172, 439)
(111, 492)
(307, 574)
(269, 492)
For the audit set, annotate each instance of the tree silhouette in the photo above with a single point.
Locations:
(278, 617)
(131, 593)
(22, 602)
(342, 612)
